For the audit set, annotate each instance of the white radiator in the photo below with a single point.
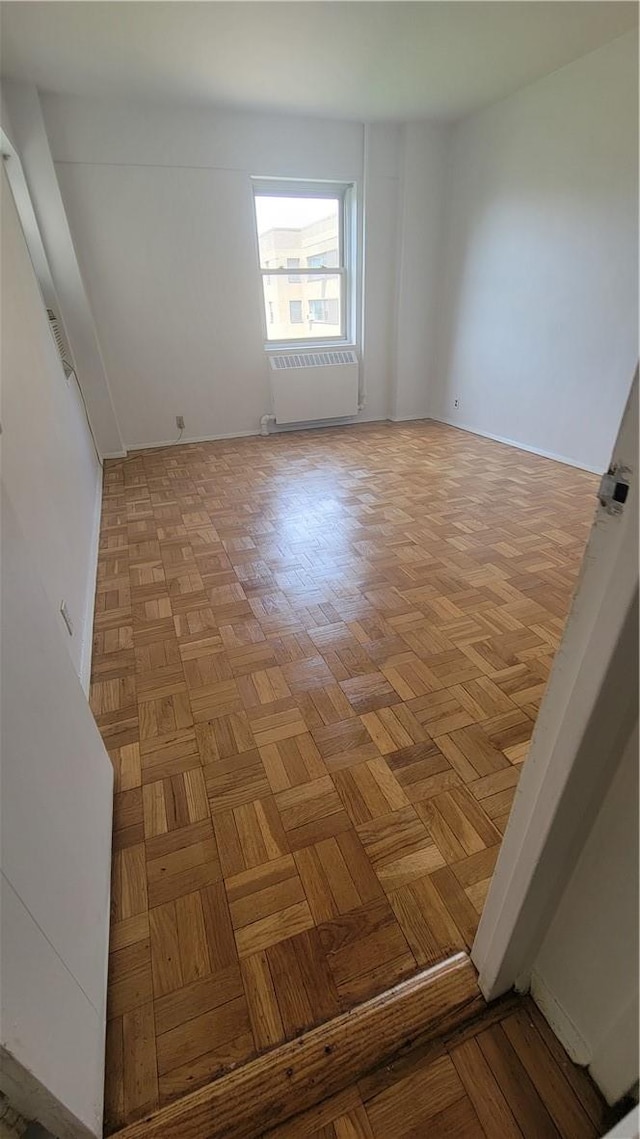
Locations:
(307, 386)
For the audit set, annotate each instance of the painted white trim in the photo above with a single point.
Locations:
(34, 1101)
(87, 631)
(345, 421)
(281, 429)
(347, 194)
(559, 1022)
(408, 418)
(183, 441)
(514, 443)
(114, 455)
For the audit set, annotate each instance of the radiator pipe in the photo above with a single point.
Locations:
(264, 423)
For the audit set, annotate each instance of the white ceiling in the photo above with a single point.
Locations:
(360, 60)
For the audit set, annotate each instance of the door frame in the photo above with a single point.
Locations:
(587, 715)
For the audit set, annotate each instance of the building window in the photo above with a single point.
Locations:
(326, 260)
(307, 227)
(324, 310)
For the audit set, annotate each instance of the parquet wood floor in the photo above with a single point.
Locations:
(318, 659)
(504, 1077)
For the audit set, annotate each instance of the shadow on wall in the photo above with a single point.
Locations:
(539, 317)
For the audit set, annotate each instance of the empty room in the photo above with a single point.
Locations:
(319, 657)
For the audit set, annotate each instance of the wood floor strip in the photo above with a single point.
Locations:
(302, 1072)
(445, 1086)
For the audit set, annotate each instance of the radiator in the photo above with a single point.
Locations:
(308, 386)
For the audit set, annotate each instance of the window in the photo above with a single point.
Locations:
(306, 227)
(324, 311)
(326, 260)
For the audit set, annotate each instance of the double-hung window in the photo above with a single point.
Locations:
(306, 227)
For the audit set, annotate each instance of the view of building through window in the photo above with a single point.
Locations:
(303, 234)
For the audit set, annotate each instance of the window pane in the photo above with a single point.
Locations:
(324, 311)
(310, 308)
(328, 259)
(292, 230)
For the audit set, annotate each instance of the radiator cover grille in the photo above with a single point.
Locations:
(324, 359)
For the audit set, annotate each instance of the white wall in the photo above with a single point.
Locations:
(588, 714)
(524, 310)
(49, 464)
(422, 164)
(160, 207)
(28, 136)
(381, 193)
(56, 776)
(586, 974)
(539, 331)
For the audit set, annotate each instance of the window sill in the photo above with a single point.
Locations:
(309, 346)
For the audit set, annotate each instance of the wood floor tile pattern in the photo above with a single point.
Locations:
(318, 660)
(505, 1076)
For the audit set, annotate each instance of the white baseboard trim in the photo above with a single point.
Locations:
(347, 421)
(274, 430)
(87, 632)
(560, 1022)
(114, 455)
(408, 418)
(514, 443)
(35, 1101)
(191, 439)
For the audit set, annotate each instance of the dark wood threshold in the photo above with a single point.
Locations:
(300, 1073)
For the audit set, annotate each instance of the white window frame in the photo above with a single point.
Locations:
(348, 257)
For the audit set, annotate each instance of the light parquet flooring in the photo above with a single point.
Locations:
(318, 659)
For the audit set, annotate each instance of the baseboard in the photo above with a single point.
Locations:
(35, 1101)
(514, 443)
(190, 439)
(87, 632)
(13, 1125)
(283, 428)
(560, 1022)
(310, 425)
(273, 430)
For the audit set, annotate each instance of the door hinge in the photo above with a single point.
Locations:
(614, 488)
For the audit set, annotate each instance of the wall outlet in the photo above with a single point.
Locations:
(180, 422)
(456, 403)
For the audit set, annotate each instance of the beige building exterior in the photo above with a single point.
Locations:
(300, 307)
